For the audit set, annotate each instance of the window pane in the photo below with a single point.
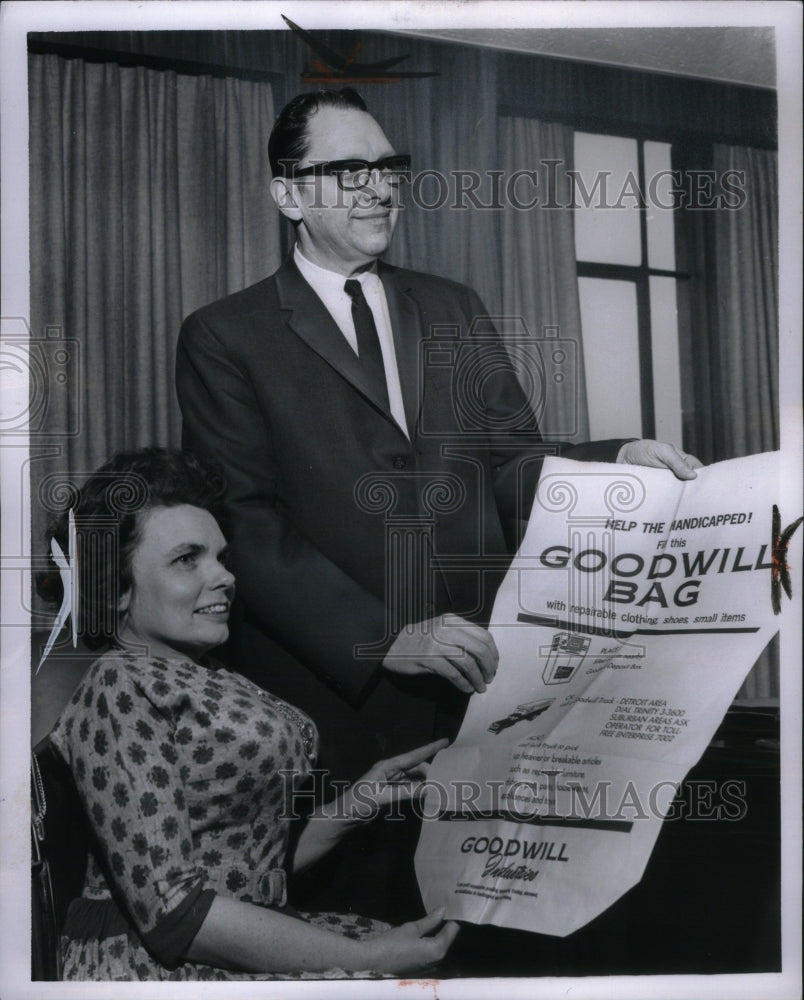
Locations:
(611, 357)
(607, 200)
(666, 369)
(659, 199)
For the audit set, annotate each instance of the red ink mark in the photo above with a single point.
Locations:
(423, 983)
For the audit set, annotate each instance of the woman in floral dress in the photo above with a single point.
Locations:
(185, 769)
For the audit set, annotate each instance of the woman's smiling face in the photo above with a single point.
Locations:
(182, 591)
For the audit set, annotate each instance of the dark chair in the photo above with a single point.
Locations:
(59, 840)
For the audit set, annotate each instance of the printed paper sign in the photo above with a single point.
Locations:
(626, 625)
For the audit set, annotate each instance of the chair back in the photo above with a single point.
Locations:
(59, 843)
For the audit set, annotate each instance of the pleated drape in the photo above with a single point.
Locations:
(747, 276)
(539, 281)
(747, 280)
(148, 198)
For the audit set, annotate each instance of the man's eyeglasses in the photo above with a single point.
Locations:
(357, 174)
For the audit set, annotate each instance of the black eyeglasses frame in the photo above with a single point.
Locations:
(397, 165)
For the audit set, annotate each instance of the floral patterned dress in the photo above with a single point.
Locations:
(185, 774)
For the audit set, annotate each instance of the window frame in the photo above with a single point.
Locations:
(639, 275)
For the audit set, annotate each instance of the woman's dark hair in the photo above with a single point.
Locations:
(108, 511)
(289, 140)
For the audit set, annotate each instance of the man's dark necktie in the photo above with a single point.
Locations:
(368, 341)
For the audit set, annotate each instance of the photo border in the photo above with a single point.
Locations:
(16, 19)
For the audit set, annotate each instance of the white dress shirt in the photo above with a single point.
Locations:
(329, 287)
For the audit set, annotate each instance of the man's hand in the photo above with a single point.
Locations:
(448, 646)
(659, 455)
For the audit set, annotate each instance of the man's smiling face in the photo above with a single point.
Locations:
(344, 231)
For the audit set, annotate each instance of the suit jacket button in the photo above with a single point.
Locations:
(400, 462)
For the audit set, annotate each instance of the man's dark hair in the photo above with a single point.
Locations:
(289, 140)
(109, 510)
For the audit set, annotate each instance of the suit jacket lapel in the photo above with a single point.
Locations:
(406, 323)
(309, 318)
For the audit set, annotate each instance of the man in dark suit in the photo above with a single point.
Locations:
(379, 453)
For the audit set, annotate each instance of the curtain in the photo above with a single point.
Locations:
(728, 308)
(587, 95)
(539, 278)
(703, 406)
(747, 281)
(148, 198)
(729, 327)
(747, 277)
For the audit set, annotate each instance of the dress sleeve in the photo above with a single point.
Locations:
(122, 754)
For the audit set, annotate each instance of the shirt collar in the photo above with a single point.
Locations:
(322, 279)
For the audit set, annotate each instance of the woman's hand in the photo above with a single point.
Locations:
(238, 935)
(393, 780)
(388, 781)
(412, 947)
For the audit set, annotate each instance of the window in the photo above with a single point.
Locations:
(625, 251)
